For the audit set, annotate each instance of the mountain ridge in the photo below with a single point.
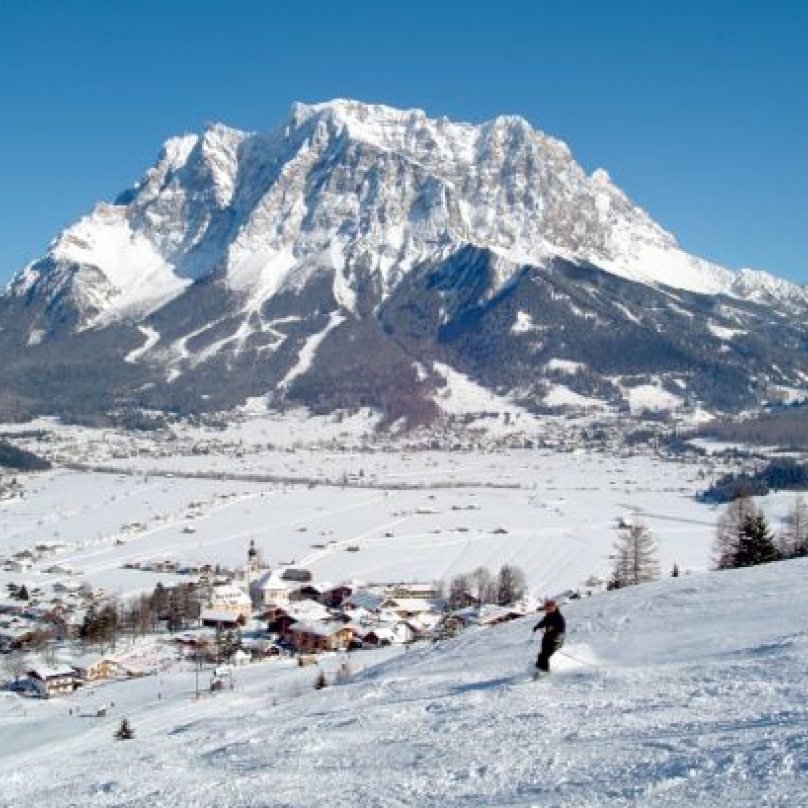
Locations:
(241, 253)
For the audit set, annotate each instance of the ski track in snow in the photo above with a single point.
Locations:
(307, 353)
(152, 338)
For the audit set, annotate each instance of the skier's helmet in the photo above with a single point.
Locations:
(549, 605)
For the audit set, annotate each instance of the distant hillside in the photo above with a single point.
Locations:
(779, 475)
(787, 428)
(12, 457)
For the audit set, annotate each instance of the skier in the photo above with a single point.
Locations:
(554, 626)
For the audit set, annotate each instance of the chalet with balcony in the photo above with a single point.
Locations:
(312, 638)
(59, 680)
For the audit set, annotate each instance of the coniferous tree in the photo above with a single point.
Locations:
(756, 544)
(743, 537)
(175, 611)
(88, 631)
(159, 602)
(124, 731)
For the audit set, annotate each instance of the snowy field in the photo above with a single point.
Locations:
(553, 514)
(686, 692)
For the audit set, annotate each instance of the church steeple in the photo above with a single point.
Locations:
(252, 566)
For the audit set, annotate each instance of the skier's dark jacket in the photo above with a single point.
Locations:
(553, 624)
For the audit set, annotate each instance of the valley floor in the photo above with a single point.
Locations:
(427, 516)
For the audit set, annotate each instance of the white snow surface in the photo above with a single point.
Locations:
(152, 338)
(565, 366)
(309, 350)
(686, 693)
(559, 395)
(137, 278)
(724, 333)
(651, 397)
(461, 395)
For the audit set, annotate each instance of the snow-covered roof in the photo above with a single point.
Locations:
(218, 616)
(383, 632)
(409, 605)
(423, 621)
(307, 610)
(319, 628)
(270, 581)
(492, 613)
(52, 672)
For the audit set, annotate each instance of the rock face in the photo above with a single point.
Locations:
(345, 256)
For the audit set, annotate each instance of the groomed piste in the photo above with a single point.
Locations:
(685, 692)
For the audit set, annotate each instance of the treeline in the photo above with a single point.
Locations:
(175, 607)
(480, 587)
(787, 428)
(14, 458)
(780, 475)
(745, 539)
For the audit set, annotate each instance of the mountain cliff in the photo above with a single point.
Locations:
(344, 257)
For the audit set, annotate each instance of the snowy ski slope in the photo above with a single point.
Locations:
(686, 692)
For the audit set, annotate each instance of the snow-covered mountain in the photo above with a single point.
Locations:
(688, 692)
(338, 257)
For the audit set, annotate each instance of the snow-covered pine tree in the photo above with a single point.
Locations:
(756, 545)
(635, 557)
(743, 537)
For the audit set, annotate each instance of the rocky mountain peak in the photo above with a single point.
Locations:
(486, 245)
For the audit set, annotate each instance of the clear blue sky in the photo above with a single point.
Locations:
(697, 108)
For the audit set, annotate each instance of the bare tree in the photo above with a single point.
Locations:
(483, 586)
(459, 594)
(729, 530)
(635, 557)
(15, 664)
(793, 541)
(511, 585)
(40, 640)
